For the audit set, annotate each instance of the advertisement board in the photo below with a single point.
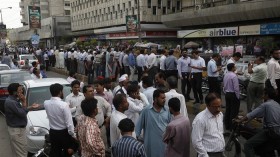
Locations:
(131, 23)
(34, 14)
(271, 28)
(249, 30)
(210, 32)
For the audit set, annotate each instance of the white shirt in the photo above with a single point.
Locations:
(207, 134)
(197, 63)
(140, 60)
(125, 60)
(74, 101)
(34, 77)
(183, 65)
(116, 89)
(152, 60)
(173, 94)
(115, 133)
(259, 74)
(59, 115)
(103, 107)
(148, 92)
(273, 71)
(109, 92)
(161, 62)
(141, 86)
(212, 69)
(124, 91)
(144, 99)
(231, 60)
(121, 58)
(134, 109)
(71, 79)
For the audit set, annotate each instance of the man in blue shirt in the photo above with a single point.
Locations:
(153, 120)
(213, 74)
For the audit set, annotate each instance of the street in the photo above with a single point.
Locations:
(6, 151)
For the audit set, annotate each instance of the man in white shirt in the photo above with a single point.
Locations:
(149, 89)
(207, 134)
(235, 58)
(213, 74)
(121, 105)
(136, 105)
(197, 66)
(152, 64)
(126, 63)
(161, 61)
(74, 99)
(122, 80)
(141, 64)
(273, 73)
(173, 84)
(184, 73)
(60, 121)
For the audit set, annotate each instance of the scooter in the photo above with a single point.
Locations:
(233, 145)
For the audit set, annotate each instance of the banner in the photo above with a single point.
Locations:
(131, 23)
(249, 30)
(271, 28)
(210, 32)
(35, 39)
(34, 14)
(3, 31)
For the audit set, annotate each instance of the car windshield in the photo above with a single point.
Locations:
(40, 94)
(4, 68)
(18, 77)
(29, 57)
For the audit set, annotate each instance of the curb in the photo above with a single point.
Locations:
(66, 73)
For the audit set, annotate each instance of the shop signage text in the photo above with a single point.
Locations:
(211, 32)
(271, 28)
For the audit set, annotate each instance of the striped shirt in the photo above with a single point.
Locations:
(207, 133)
(128, 146)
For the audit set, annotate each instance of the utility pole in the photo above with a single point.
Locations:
(139, 21)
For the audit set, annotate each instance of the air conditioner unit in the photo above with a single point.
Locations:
(198, 7)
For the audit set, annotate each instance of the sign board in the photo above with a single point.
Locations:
(131, 23)
(161, 34)
(3, 31)
(228, 50)
(124, 35)
(271, 28)
(249, 30)
(35, 39)
(34, 14)
(210, 32)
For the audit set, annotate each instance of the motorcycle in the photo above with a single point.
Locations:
(233, 147)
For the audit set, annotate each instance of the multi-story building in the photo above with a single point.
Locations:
(251, 26)
(106, 19)
(48, 8)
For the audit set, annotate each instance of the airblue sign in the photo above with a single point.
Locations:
(271, 28)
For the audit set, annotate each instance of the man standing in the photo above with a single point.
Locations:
(184, 74)
(152, 64)
(231, 88)
(207, 134)
(273, 73)
(141, 64)
(147, 83)
(256, 85)
(126, 63)
(162, 60)
(213, 74)
(170, 64)
(160, 82)
(173, 84)
(197, 66)
(235, 58)
(177, 134)
(99, 91)
(16, 110)
(60, 121)
(132, 64)
(153, 120)
(127, 146)
(74, 99)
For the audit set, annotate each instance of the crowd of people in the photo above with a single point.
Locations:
(147, 116)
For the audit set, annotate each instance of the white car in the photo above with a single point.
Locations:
(37, 91)
(4, 67)
(31, 58)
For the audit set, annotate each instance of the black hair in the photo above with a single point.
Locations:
(215, 55)
(12, 88)
(157, 93)
(126, 125)
(107, 80)
(42, 67)
(34, 63)
(55, 89)
(237, 54)
(230, 66)
(86, 87)
(34, 70)
(211, 97)
(71, 73)
(171, 52)
(147, 81)
(161, 75)
(142, 51)
(100, 82)
(195, 52)
(75, 82)
(261, 58)
(174, 103)
(132, 88)
(172, 82)
(118, 99)
(270, 92)
(88, 106)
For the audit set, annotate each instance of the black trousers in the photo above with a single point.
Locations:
(186, 82)
(214, 85)
(61, 141)
(140, 72)
(232, 109)
(196, 85)
(268, 85)
(152, 72)
(169, 73)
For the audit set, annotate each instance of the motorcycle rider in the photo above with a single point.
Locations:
(270, 111)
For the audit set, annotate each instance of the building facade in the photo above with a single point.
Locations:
(107, 18)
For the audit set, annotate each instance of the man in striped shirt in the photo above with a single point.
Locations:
(127, 146)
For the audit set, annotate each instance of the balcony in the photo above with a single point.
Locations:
(243, 11)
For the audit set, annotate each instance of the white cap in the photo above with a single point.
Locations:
(123, 78)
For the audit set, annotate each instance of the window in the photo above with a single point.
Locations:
(154, 10)
(113, 8)
(163, 10)
(159, 4)
(173, 9)
(149, 3)
(123, 6)
(129, 4)
(126, 11)
(132, 10)
(178, 5)
(67, 12)
(121, 14)
(119, 8)
(116, 15)
(168, 4)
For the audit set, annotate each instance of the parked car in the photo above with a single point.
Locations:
(7, 77)
(31, 58)
(37, 91)
(4, 67)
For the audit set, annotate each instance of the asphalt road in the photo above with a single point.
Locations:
(6, 150)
